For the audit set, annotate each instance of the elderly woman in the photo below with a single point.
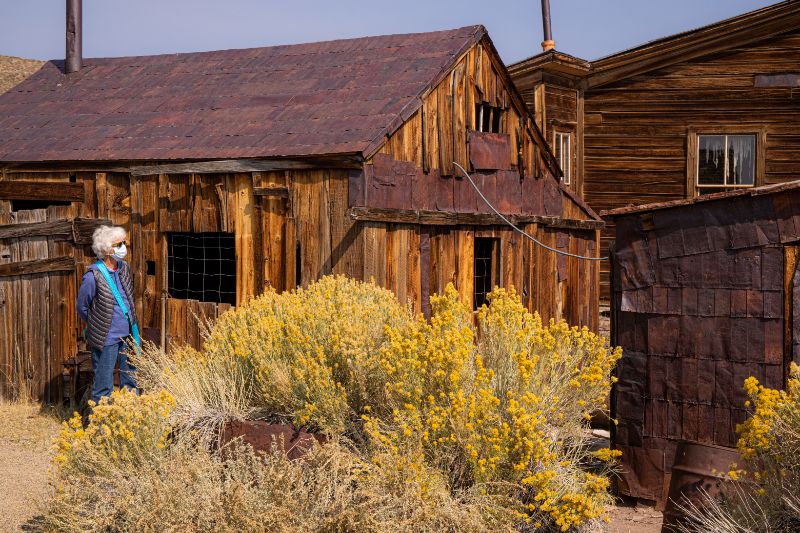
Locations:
(105, 303)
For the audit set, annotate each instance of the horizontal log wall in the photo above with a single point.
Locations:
(636, 132)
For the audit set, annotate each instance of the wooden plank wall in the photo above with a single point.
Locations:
(436, 135)
(37, 329)
(636, 133)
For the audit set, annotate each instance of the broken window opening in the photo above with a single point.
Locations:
(202, 266)
(486, 269)
(487, 118)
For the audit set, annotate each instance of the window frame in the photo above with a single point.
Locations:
(693, 187)
(495, 264)
(184, 293)
(566, 179)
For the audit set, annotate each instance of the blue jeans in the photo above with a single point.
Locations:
(103, 363)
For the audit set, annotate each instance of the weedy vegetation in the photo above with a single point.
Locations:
(457, 424)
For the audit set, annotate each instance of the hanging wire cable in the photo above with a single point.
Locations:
(515, 228)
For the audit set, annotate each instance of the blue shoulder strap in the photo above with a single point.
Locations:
(134, 327)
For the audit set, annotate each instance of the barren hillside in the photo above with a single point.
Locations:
(15, 69)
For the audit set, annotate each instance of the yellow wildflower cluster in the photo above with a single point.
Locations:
(124, 427)
(773, 430)
(506, 403)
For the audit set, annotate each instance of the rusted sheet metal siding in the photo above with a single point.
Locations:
(699, 294)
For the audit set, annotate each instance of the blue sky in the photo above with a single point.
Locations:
(585, 28)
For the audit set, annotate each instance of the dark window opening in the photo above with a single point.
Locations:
(30, 205)
(298, 265)
(486, 254)
(487, 118)
(151, 268)
(202, 266)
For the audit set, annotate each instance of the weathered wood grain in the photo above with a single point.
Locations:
(41, 190)
(37, 266)
(445, 218)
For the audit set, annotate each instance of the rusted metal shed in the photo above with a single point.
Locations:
(705, 293)
(246, 169)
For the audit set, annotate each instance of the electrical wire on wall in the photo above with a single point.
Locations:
(515, 228)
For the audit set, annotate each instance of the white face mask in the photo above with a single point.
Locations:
(120, 252)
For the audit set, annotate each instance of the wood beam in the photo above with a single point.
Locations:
(275, 191)
(233, 166)
(55, 229)
(41, 190)
(37, 266)
(446, 218)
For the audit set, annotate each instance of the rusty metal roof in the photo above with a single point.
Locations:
(754, 191)
(296, 100)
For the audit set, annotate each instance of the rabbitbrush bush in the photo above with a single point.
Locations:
(767, 495)
(439, 426)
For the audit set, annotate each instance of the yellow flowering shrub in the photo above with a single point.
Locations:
(766, 492)
(773, 429)
(508, 403)
(125, 427)
(312, 351)
(467, 422)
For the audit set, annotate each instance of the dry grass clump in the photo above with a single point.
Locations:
(432, 426)
(767, 497)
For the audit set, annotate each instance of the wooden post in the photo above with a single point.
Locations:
(244, 218)
(790, 254)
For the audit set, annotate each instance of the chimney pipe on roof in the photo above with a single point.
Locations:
(548, 43)
(74, 57)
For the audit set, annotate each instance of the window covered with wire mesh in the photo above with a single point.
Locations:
(202, 266)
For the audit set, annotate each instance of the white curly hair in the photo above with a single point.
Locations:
(104, 237)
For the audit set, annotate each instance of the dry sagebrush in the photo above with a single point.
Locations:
(433, 426)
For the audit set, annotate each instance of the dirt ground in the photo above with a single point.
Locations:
(25, 439)
(634, 519)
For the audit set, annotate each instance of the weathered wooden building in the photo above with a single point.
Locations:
(702, 111)
(245, 169)
(705, 294)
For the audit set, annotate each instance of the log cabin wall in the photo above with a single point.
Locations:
(640, 135)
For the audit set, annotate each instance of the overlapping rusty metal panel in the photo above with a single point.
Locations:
(706, 278)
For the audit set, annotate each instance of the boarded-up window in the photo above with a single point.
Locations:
(202, 266)
(562, 147)
(725, 162)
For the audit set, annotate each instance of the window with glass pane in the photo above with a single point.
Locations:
(561, 144)
(725, 162)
